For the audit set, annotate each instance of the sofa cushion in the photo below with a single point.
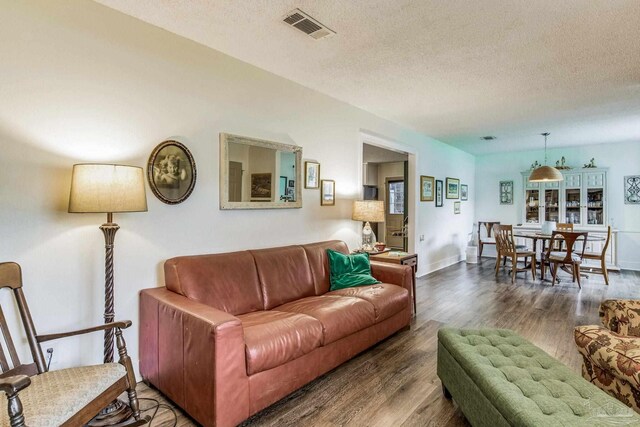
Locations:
(284, 275)
(273, 338)
(228, 282)
(386, 299)
(349, 270)
(319, 262)
(340, 316)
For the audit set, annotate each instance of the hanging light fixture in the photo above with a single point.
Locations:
(545, 173)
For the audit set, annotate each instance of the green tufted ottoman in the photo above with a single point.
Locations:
(498, 378)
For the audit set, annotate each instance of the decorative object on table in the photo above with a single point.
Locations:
(591, 164)
(464, 192)
(311, 175)
(453, 188)
(548, 227)
(261, 186)
(427, 188)
(171, 171)
(632, 189)
(535, 165)
(73, 395)
(108, 188)
(506, 192)
(545, 173)
(439, 195)
(347, 271)
(368, 211)
(379, 247)
(560, 164)
(456, 207)
(328, 192)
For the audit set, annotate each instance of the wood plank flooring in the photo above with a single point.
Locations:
(395, 382)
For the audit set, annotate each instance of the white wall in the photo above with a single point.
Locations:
(621, 159)
(83, 83)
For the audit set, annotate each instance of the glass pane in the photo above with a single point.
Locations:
(532, 207)
(396, 197)
(551, 212)
(573, 206)
(595, 206)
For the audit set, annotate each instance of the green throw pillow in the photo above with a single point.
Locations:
(347, 271)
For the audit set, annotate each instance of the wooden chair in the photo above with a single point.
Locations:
(568, 257)
(488, 240)
(601, 256)
(561, 226)
(506, 248)
(36, 396)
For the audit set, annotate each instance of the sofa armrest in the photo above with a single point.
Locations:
(395, 274)
(612, 353)
(195, 354)
(621, 316)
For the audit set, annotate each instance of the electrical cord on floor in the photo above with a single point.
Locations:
(156, 407)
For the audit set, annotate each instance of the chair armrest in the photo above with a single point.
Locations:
(614, 354)
(395, 274)
(121, 325)
(195, 355)
(621, 316)
(12, 385)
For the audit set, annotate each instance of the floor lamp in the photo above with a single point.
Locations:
(108, 188)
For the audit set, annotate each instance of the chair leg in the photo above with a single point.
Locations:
(480, 249)
(533, 267)
(514, 268)
(504, 261)
(554, 272)
(576, 272)
(605, 273)
(497, 264)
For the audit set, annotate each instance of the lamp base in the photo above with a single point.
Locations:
(368, 238)
(115, 413)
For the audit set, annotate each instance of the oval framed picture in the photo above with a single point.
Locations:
(171, 172)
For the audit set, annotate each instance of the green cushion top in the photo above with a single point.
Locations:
(347, 271)
(526, 385)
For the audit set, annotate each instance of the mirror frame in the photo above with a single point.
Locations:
(225, 204)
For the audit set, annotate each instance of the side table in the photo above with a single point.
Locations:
(404, 259)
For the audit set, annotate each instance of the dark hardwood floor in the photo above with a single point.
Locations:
(395, 382)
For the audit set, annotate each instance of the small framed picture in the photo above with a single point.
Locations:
(328, 192)
(439, 195)
(427, 188)
(261, 185)
(506, 192)
(171, 171)
(292, 183)
(456, 207)
(632, 189)
(453, 188)
(464, 192)
(311, 175)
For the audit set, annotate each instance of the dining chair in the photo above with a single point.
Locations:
(569, 257)
(561, 226)
(600, 256)
(488, 239)
(507, 248)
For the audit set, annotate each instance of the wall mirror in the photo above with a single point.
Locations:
(258, 174)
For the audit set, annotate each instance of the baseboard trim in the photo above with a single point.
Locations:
(443, 263)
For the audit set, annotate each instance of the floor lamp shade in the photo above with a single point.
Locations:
(107, 188)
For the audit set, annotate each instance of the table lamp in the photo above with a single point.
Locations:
(108, 188)
(368, 211)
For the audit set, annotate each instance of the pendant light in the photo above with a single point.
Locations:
(545, 173)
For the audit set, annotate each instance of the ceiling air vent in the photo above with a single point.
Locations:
(311, 27)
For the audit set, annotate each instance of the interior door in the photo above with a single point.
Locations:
(235, 181)
(395, 213)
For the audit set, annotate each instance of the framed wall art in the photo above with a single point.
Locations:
(427, 188)
(311, 175)
(171, 171)
(452, 188)
(439, 195)
(506, 192)
(632, 189)
(456, 207)
(328, 192)
(261, 186)
(464, 192)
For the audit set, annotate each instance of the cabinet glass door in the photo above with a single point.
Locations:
(551, 205)
(595, 206)
(572, 206)
(532, 207)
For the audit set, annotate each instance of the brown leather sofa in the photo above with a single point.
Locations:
(233, 333)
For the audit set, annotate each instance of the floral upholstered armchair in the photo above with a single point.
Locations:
(611, 354)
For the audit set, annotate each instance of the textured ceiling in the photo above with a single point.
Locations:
(452, 69)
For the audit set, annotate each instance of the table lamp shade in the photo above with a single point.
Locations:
(107, 188)
(368, 210)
